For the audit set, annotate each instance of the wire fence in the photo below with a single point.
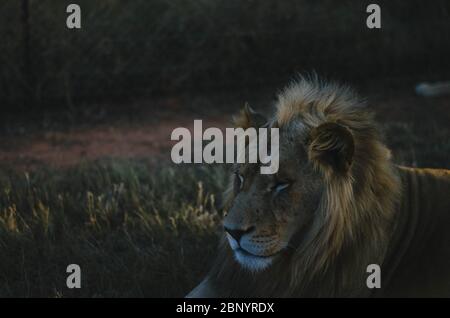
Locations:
(128, 49)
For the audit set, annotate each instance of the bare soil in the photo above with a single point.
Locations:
(147, 135)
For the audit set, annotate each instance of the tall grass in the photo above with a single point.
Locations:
(133, 230)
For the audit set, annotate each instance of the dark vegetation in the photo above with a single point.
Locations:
(142, 48)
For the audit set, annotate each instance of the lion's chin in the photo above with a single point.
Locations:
(252, 262)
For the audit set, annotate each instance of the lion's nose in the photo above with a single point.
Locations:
(238, 233)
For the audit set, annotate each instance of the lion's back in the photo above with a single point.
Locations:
(422, 238)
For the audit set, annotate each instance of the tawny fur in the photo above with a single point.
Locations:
(358, 215)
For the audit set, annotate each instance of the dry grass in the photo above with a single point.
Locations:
(134, 230)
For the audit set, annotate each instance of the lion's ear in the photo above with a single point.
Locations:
(332, 146)
(247, 118)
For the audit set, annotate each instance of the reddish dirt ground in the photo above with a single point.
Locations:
(151, 138)
(62, 149)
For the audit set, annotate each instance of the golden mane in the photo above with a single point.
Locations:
(355, 202)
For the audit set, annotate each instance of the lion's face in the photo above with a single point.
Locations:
(268, 212)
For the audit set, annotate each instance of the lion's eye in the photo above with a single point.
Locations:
(281, 186)
(239, 181)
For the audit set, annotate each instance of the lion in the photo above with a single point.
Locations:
(337, 204)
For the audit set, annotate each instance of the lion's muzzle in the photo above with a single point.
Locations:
(252, 250)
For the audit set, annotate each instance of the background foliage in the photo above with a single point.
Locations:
(143, 47)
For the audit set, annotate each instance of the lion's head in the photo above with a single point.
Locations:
(333, 193)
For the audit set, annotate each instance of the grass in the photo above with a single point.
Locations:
(134, 230)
